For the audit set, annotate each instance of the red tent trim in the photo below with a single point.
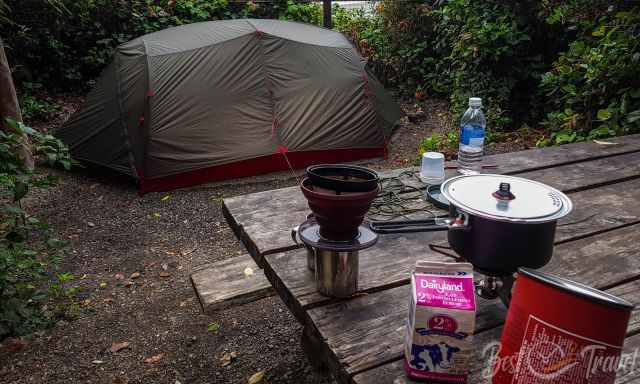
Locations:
(256, 166)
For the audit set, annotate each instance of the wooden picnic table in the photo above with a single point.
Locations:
(360, 340)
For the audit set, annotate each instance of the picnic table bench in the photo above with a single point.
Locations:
(360, 339)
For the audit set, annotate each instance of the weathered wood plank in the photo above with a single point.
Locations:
(630, 292)
(223, 284)
(389, 263)
(277, 211)
(393, 371)
(598, 261)
(372, 328)
(263, 220)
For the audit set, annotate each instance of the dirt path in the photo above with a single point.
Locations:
(113, 234)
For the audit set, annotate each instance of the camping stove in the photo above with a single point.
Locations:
(488, 285)
(334, 262)
(493, 287)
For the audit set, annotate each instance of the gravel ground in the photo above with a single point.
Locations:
(114, 235)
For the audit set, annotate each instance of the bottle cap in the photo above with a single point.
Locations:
(475, 102)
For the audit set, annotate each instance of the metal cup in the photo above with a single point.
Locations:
(336, 272)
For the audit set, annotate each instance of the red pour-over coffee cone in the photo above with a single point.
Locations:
(339, 214)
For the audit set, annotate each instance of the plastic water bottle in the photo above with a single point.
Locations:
(472, 127)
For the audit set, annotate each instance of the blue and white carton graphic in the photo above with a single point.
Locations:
(441, 322)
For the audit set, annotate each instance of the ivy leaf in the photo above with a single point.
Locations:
(604, 114)
(213, 328)
(599, 32)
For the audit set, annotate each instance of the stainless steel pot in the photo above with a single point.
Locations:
(335, 263)
(336, 271)
(498, 223)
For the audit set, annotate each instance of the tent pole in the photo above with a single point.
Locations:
(326, 7)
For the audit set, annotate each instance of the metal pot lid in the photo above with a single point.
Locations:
(506, 198)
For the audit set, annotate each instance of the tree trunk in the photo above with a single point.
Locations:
(326, 8)
(9, 106)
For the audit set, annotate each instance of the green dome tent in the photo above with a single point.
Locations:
(225, 99)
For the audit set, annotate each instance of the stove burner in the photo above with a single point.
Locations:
(309, 233)
(490, 285)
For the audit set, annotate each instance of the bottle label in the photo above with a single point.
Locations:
(472, 135)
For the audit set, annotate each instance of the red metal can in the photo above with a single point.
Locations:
(560, 331)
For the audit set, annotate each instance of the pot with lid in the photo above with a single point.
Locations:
(498, 223)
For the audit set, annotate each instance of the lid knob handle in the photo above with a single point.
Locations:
(504, 192)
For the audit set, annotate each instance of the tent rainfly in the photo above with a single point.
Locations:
(225, 99)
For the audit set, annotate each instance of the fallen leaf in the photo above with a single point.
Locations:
(119, 276)
(154, 359)
(115, 347)
(97, 362)
(165, 197)
(164, 274)
(86, 302)
(604, 142)
(183, 303)
(157, 215)
(83, 277)
(108, 300)
(213, 328)
(227, 358)
(128, 283)
(164, 266)
(89, 223)
(248, 271)
(135, 275)
(103, 285)
(14, 344)
(256, 377)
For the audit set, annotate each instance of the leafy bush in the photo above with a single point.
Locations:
(34, 106)
(64, 44)
(448, 144)
(28, 251)
(463, 48)
(569, 66)
(303, 12)
(593, 88)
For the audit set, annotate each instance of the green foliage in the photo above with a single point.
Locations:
(28, 251)
(458, 48)
(310, 13)
(593, 88)
(570, 66)
(447, 144)
(64, 44)
(34, 106)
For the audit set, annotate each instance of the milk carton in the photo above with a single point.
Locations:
(441, 322)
